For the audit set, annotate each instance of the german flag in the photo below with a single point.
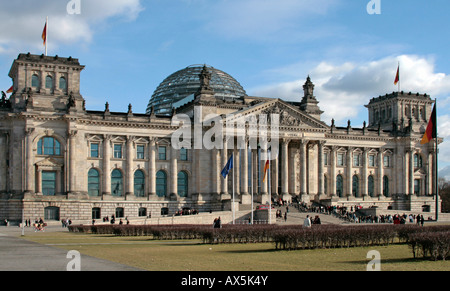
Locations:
(431, 131)
(266, 167)
(10, 90)
(397, 77)
(44, 33)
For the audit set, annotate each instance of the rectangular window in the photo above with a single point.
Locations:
(356, 160)
(94, 150)
(340, 159)
(325, 159)
(371, 161)
(162, 153)
(417, 187)
(140, 155)
(387, 161)
(118, 151)
(48, 183)
(183, 154)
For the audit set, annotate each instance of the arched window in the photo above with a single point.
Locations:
(139, 183)
(355, 186)
(339, 185)
(386, 186)
(48, 146)
(182, 184)
(116, 183)
(93, 183)
(49, 82)
(370, 186)
(62, 83)
(161, 184)
(35, 81)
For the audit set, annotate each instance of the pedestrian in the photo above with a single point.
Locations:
(307, 222)
(285, 216)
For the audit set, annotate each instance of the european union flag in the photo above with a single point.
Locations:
(227, 168)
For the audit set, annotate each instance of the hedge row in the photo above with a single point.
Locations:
(430, 244)
(284, 237)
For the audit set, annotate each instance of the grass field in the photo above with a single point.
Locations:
(143, 253)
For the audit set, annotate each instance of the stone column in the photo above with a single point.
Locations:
(72, 158)
(215, 171)
(365, 162)
(285, 167)
(29, 162)
(244, 172)
(380, 173)
(107, 165)
(411, 172)
(333, 171)
(129, 175)
(303, 167)
(321, 189)
(349, 172)
(152, 168)
(236, 171)
(173, 173)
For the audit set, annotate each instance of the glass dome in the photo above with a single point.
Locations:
(186, 82)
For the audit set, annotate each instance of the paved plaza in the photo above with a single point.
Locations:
(18, 254)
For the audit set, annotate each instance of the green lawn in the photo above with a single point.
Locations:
(147, 254)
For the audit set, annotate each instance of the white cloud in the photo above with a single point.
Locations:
(23, 21)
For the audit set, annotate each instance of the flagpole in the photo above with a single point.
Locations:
(232, 156)
(251, 179)
(270, 192)
(399, 81)
(46, 35)
(436, 185)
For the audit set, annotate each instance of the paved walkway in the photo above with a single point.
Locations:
(17, 254)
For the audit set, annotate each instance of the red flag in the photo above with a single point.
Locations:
(431, 131)
(10, 90)
(397, 78)
(44, 33)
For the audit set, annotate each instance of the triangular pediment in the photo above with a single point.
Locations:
(49, 163)
(289, 115)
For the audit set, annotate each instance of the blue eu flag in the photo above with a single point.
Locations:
(227, 168)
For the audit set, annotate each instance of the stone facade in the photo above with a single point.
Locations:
(60, 160)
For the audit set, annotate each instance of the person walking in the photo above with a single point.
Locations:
(307, 222)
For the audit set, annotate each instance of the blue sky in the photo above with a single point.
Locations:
(130, 46)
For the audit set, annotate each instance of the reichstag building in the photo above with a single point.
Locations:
(60, 160)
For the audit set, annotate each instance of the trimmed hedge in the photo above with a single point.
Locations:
(435, 245)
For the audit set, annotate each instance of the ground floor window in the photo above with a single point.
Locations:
(142, 212)
(48, 183)
(96, 213)
(339, 186)
(51, 213)
(120, 212)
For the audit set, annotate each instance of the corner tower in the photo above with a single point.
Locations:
(46, 83)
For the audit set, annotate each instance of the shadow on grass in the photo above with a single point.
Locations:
(390, 261)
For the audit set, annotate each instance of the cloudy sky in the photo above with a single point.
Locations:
(269, 46)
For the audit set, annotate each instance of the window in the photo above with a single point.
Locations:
(370, 186)
(96, 213)
(387, 161)
(62, 83)
(355, 186)
(182, 184)
(142, 212)
(371, 161)
(417, 186)
(183, 154)
(340, 159)
(117, 151)
(93, 183)
(139, 183)
(48, 82)
(417, 161)
(49, 146)
(94, 150)
(325, 159)
(48, 183)
(35, 81)
(116, 183)
(140, 152)
(161, 184)
(51, 213)
(356, 160)
(325, 184)
(120, 212)
(386, 186)
(162, 153)
(339, 186)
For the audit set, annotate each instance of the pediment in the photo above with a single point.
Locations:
(289, 115)
(49, 163)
